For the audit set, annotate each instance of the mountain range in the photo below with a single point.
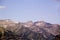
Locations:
(39, 30)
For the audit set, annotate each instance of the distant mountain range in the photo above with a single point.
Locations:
(38, 30)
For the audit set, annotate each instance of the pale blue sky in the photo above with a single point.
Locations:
(35, 10)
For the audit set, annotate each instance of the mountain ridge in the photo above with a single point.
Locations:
(47, 30)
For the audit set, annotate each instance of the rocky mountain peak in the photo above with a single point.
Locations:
(28, 24)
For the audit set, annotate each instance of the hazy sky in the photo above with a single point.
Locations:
(26, 10)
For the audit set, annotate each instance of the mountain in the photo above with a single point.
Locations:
(7, 22)
(38, 30)
(50, 28)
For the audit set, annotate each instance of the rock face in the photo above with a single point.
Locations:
(39, 30)
(7, 22)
